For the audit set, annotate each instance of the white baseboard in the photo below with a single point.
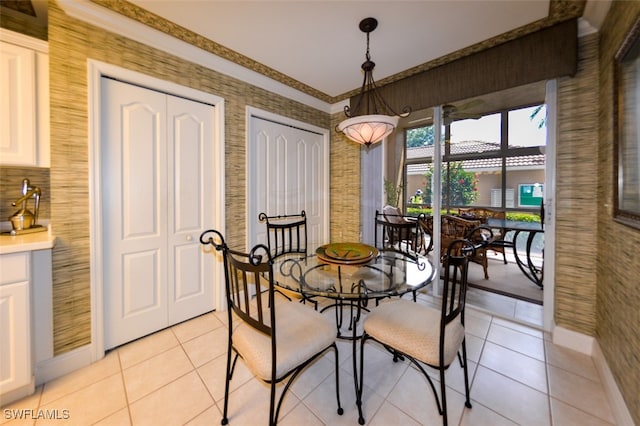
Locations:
(16, 394)
(618, 406)
(66, 363)
(573, 340)
(589, 346)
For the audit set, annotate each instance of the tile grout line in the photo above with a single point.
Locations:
(195, 370)
(124, 386)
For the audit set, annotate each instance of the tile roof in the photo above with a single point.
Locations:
(467, 147)
(536, 161)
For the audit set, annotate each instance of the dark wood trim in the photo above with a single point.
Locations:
(542, 55)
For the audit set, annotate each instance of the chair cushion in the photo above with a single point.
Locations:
(392, 214)
(301, 332)
(414, 329)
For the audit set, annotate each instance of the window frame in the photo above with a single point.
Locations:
(504, 152)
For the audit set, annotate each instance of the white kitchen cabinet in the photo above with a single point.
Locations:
(24, 105)
(16, 360)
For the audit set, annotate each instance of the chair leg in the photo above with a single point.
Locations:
(272, 403)
(340, 410)
(485, 266)
(443, 396)
(467, 402)
(359, 382)
(228, 374)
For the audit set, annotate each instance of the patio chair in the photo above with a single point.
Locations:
(276, 338)
(422, 334)
(498, 244)
(454, 228)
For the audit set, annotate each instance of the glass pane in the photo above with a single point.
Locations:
(489, 183)
(527, 127)
(475, 135)
(462, 188)
(525, 183)
(420, 136)
(419, 184)
(461, 191)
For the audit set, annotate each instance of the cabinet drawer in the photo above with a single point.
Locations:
(14, 267)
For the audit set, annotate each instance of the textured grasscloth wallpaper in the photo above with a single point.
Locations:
(576, 185)
(618, 246)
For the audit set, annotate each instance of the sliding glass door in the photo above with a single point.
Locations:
(493, 161)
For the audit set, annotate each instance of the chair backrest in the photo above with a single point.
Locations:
(286, 234)
(483, 214)
(400, 236)
(392, 214)
(455, 228)
(480, 236)
(480, 213)
(456, 265)
(425, 224)
(247, 276)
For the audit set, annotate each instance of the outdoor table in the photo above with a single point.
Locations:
(530, 270)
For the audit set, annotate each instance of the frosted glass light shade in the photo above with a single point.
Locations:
(368, 129)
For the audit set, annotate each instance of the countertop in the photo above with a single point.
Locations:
(27, 242)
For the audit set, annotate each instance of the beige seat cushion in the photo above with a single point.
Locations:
(414, 329)
(300, 333)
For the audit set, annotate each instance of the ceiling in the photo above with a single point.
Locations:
(318, 43)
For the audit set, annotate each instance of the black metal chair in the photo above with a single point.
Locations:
(276, 338)
(287, 236)
(422, 334)
(399, 234)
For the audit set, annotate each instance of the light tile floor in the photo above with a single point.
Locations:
(176, 377)
(506, 307)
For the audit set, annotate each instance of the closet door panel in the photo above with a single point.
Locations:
(190, 197)
(134, 211)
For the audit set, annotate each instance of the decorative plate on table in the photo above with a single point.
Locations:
(346, 253)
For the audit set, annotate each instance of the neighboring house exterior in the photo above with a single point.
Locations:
(524, 170)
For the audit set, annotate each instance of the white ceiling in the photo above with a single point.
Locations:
(319, 43)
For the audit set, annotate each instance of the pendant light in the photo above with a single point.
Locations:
(372, 119)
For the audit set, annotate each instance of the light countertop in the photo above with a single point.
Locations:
(27, 242)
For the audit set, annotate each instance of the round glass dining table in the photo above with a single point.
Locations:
(353, 283)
